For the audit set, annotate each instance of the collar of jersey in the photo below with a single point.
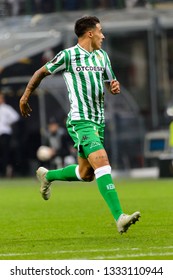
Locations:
(88, 53)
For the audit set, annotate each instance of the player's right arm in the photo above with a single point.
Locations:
(58, 63)
(33, 83)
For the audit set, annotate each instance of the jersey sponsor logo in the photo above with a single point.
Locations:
(90, 68)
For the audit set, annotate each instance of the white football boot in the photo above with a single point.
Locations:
(125, 221)
(45, 184)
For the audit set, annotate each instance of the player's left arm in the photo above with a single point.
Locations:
(111, 83)
(113, 86)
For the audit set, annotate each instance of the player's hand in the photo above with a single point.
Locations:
(25, 109)
(115, 87)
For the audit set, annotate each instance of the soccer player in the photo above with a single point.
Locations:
(85, 68)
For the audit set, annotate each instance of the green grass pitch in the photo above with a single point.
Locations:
(76, 223)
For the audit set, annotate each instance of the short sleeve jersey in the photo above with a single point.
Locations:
(84, 74)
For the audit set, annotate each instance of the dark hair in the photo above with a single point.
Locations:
(84, 24)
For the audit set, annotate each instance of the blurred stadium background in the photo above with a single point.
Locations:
(139, 40)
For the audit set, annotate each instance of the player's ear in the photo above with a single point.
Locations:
(90, 34)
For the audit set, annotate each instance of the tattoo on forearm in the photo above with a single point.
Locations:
(35, 81)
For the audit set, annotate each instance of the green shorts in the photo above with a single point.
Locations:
(87, 136)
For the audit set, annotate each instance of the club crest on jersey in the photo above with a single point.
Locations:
(99, 56)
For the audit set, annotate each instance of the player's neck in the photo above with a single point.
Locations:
(86, 45)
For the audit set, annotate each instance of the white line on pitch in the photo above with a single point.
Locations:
(86, 251)
(135, 255)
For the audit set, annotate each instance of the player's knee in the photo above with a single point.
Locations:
(88, 178)
(87, 175)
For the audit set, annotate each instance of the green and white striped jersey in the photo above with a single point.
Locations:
(84, 74)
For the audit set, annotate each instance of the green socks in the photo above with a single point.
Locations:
(108, 191)
(68, 173)
(104, 181)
